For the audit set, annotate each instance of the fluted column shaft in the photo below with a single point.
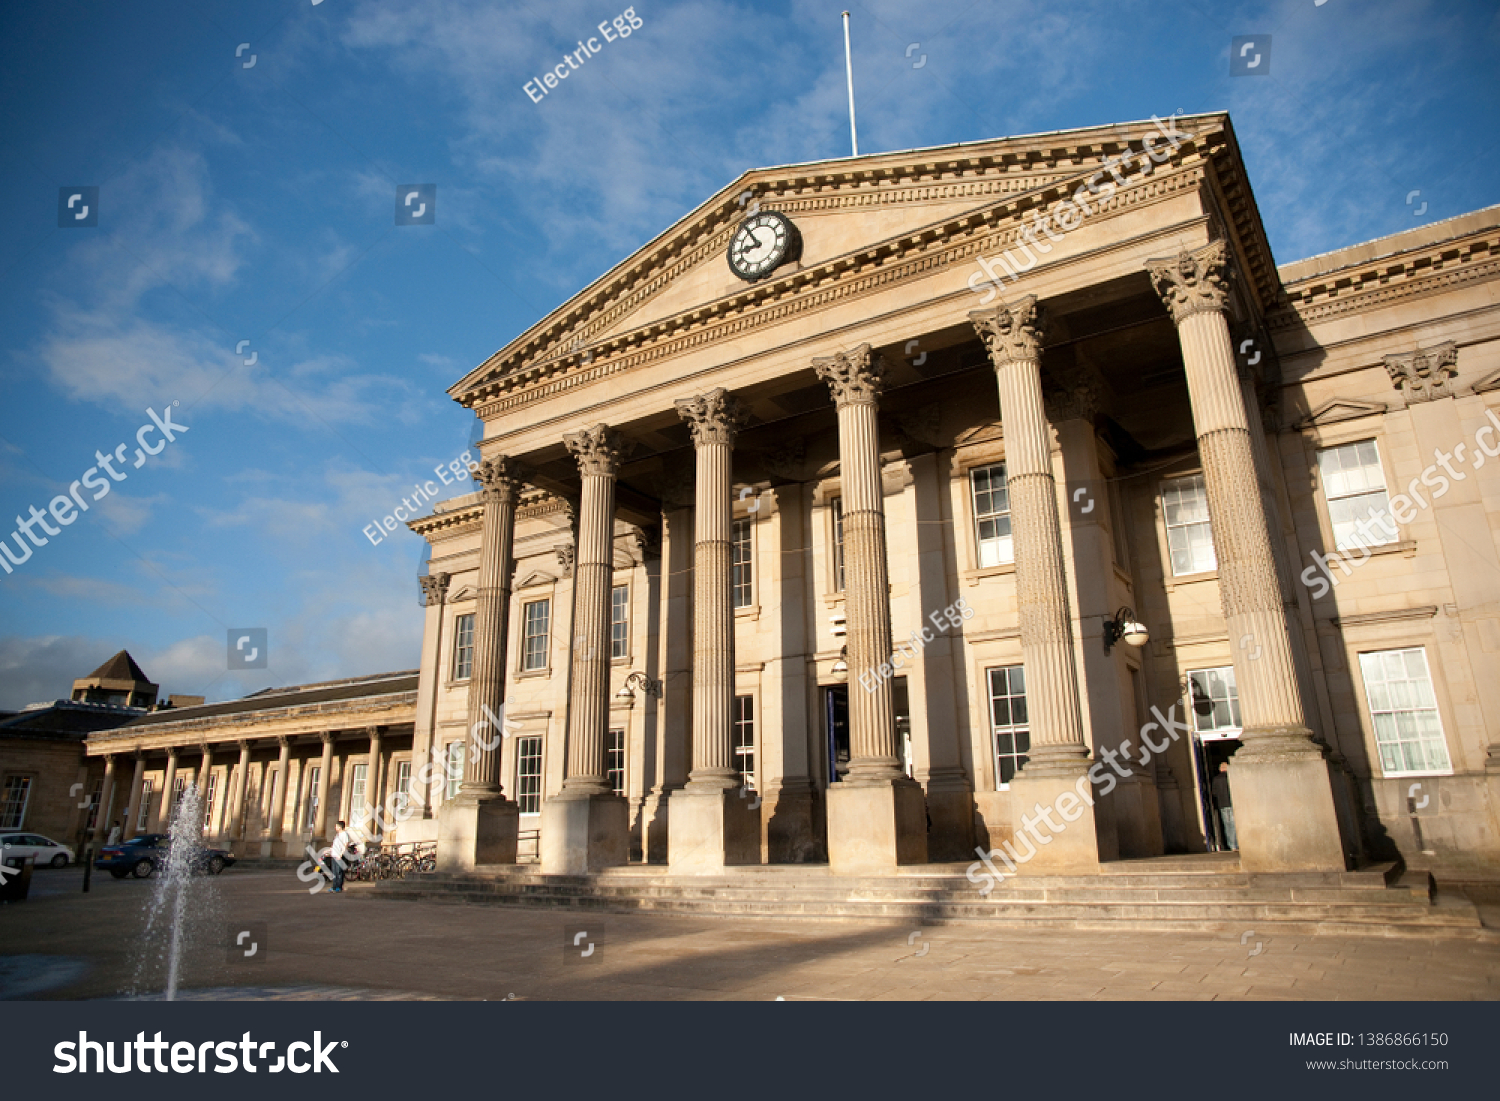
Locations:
(500, 479)
(133, 808)
(237, 814)
(1194, 287)
(106, 795)
(715, 418)
(278, 789)
(1058, 739)
(372, 785)
(597, 450)
(325, 769)
(855, 380)
(162, 819)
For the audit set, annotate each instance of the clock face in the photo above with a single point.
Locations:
(763, 243)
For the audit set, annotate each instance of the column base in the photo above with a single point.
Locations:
(789, 819)
(656, 814)
(1284, 813)
(584, 833)
(1072, 834)
(273, 850)
(950, 810)
(473, 832)
(875, 828)
(710, 830)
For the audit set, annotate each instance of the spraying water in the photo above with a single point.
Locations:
(179, 901)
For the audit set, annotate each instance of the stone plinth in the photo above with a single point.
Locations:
(474, 831)
(584, 833)
(875, 828)
(708, 831)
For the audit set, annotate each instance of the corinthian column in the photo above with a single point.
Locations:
(876, 815)
(709, 825)
(479, 825)
(714, 419)
(1279, 779)
(586, 826)
(1059, 754)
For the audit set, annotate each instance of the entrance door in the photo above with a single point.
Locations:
(836, 723)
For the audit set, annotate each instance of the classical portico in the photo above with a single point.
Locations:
(829, 562)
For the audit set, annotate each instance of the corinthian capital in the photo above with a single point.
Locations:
(434, 589)
(854, 378)
(598, 449)
(1424, 374)
(1193, 282)
(499, 479)
(1011, 332)
(714, 417)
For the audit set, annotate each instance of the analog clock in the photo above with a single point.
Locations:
(763, 243)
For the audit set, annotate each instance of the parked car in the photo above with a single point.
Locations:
(44, 849)
(141, 856)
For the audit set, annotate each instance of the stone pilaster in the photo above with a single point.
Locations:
(480, 825)
(876, 815)
(1059, 753)
(1283, 798)
(586, 827)
(710, 826)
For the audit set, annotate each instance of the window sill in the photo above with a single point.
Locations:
(973, 577)
(534, 674)
(750, 612)
(1171, 583)
(1406, 547)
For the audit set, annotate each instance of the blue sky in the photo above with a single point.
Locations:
(258, 204)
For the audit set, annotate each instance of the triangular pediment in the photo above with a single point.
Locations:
(855, 216)
(462, 593)
(1340, 409)
(536, 577)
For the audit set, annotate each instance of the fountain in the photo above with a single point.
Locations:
(180, 903)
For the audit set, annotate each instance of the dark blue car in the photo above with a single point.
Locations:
(142, 856)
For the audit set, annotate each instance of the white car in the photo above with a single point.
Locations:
(44, 849)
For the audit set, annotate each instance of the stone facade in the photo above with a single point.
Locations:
(837, 561)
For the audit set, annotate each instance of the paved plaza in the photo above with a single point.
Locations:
(61, 943)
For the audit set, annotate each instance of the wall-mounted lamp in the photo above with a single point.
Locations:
(651, 687)
(842, 665)
(1124, 627)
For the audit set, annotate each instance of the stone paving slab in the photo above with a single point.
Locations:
(63, 944)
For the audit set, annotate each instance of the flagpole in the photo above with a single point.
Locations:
(849, 69)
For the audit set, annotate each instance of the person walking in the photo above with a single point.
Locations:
(343, 845)
(114, 834)
(1225, 803)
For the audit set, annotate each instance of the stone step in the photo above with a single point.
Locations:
(1014, 891)
(1397, 912)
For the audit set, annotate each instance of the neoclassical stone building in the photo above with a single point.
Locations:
(884, 506)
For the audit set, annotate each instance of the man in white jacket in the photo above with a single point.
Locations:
(343, 845)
